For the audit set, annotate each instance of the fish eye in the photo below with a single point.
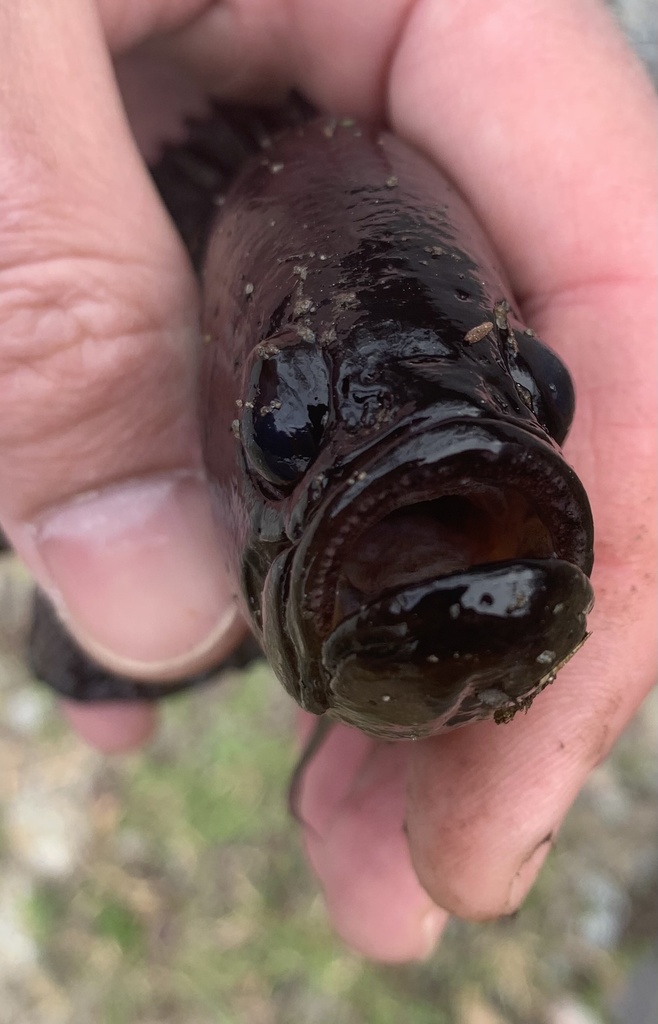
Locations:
(286, 410)
(543, 374)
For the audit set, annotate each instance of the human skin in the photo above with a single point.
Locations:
(547, 122)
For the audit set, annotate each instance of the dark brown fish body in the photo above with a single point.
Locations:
(412, 547)
(383, 437)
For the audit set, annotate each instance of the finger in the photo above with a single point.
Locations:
(554, 89)
(356, 844)
(102, 488)
(258, 50)
(110, 727)
(485, 807)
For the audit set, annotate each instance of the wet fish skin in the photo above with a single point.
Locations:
(360, 333)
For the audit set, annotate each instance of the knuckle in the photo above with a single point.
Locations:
(80, 357)
(59, 335)
(463, 897)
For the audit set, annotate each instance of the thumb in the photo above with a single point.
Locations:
(102, 488)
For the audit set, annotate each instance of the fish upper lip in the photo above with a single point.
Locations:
(307, 509)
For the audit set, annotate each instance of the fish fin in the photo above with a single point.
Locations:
(193, 177)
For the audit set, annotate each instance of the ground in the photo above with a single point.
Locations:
(169, 887)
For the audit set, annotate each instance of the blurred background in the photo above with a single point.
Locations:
(169, 887)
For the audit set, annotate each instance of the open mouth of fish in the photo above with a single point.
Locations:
(458, 568)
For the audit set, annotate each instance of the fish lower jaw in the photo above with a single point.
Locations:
(444, 652)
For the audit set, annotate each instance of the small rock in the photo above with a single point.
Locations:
(608, 906)
(47, 831)
(25, 711)
(568, 1011)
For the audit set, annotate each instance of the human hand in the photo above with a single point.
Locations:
(545, 121)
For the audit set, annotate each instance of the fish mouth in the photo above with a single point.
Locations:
(448, 580)
(428, 540)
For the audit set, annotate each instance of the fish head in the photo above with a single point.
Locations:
(435, 546)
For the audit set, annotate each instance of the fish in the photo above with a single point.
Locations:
(382, 433)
